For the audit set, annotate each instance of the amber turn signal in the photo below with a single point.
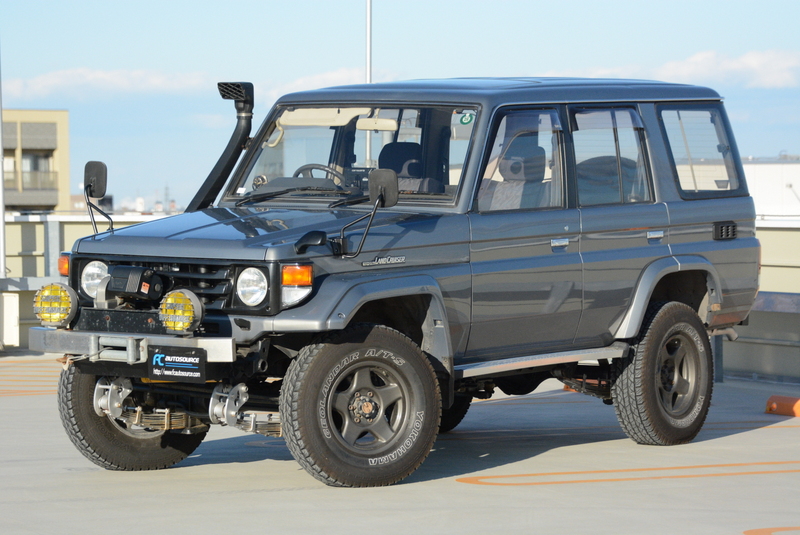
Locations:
(297, 275)
(63, 265)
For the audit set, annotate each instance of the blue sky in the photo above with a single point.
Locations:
(139, 78)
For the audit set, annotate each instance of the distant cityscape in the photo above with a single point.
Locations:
(138, 205)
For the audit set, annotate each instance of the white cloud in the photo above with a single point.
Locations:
(90, 81)
(327, 79)
(770, 69)
(85, 81)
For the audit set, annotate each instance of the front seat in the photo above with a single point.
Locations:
(405, 159)
(522, 167)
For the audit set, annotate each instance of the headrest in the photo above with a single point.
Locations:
(402, 157)
(524, 159)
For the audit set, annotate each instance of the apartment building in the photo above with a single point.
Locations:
(36, 160)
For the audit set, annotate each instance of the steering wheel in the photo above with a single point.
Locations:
(305, 172)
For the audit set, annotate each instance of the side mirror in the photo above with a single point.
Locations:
(94, 179)
(383, 182)
(315, 237)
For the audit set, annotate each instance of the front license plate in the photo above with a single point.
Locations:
(181, 364)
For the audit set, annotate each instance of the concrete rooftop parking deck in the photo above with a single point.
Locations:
(549, 462)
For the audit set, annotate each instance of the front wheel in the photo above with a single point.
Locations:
(452, 417)
(662, 393)
(109, 442)
(361, 408)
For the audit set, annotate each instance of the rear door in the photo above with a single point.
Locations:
(622, 228)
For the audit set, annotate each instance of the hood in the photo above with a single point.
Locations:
(228, 233)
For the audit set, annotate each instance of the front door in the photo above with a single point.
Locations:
(526, 266)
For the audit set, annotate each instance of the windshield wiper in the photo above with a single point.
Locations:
(353, 199)
(256, 197)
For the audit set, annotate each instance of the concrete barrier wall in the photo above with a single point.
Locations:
(33, 243)
(768, 348)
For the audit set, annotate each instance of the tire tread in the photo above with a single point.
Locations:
(629, 399)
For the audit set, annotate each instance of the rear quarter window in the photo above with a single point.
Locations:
(702, 154)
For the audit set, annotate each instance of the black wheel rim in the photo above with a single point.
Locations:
(369, 407)
(677, 376)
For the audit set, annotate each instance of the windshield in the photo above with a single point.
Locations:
(324, 152)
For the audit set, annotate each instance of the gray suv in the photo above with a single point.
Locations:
(374, 257)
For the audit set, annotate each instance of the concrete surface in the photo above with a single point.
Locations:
(550, 462)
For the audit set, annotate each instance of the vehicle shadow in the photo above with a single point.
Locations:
(501, 432)
(247, 448)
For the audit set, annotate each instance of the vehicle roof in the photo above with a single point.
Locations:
(496, 91)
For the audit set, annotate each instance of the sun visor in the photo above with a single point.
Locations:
(321, 116)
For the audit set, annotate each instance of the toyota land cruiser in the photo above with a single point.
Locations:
(376, 256)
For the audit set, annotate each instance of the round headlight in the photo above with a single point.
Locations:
(181, 311)
(91, 276)
(252, 286)
(55, 304)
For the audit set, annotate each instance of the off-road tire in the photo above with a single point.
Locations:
(663, 391)
(361, 407)
(452, 417)
(106, 442)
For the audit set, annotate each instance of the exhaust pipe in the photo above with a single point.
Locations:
(242, 93)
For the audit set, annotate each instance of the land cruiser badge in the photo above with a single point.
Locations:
(385, 260)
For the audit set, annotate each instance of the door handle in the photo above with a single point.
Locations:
(655, 234)
(557, 243)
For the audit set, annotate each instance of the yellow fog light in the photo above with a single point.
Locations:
(180, 311)
(55, 304)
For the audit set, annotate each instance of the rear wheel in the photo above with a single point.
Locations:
(109, 442)
(662, 393)
(361, 408)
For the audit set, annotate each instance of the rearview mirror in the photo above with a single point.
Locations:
(94, 179)
(383, 182)
(377, 123)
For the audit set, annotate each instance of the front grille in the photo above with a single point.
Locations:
(213, 284)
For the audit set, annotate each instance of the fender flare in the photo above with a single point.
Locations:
(436, 332)
(632, 320)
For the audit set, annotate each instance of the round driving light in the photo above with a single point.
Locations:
(180, 311)
(252, 286)
(91, 276)
(55, 304)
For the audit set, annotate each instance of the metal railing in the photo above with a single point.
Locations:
(30, 180)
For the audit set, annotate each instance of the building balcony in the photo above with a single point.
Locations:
(31, 190)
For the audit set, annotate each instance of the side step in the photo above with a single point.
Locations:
(495, 367)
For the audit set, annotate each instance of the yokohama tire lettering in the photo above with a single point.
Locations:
(405, 446)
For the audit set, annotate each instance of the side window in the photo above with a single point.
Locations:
(609, 156)
(524, 167)
(701, 154)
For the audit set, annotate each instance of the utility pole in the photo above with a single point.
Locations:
(368, 151)
(2, 189)
(2, 214)
(369, 41)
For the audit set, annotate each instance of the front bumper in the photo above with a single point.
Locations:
(123, 347)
